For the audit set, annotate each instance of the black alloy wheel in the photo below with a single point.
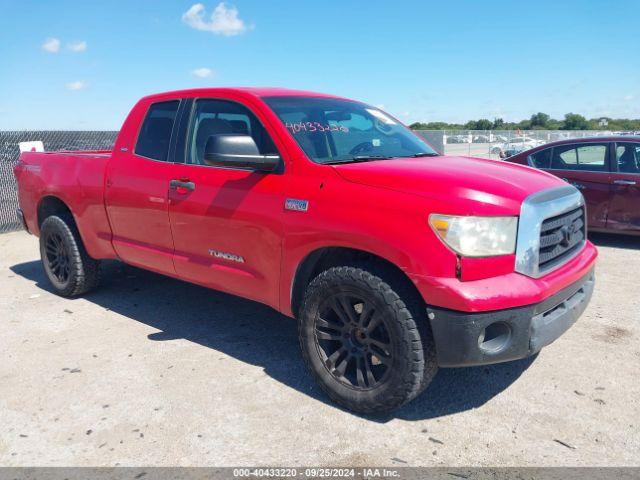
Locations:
(66, 262)
(353, 341)
(365, 337)
(57, 258)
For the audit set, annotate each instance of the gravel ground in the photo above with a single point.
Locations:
(151, 371)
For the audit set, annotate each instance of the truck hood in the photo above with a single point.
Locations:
(482, 182)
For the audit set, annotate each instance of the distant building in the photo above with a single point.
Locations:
(603, 122)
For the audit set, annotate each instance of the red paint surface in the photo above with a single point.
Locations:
(124, 209)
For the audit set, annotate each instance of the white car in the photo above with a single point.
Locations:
(458, 139)
(515, 144)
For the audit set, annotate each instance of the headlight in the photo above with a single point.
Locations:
(477, 236)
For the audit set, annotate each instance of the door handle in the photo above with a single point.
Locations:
(183, 183)
(624, 182)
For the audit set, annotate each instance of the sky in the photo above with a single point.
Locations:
(82, 65)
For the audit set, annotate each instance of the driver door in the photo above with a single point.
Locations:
(227, 222)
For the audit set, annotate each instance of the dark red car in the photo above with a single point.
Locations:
(605, 169)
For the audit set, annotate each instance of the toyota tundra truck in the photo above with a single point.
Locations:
(394, 260)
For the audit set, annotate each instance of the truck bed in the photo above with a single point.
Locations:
(77, 178)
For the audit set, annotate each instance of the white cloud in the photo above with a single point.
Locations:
(628, 98)
(77, 46)
(77, 85)
(202, 72)
(224, 20)
(51, 45)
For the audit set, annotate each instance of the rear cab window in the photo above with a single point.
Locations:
(155, 134)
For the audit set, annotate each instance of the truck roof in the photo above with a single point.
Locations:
(255, 91)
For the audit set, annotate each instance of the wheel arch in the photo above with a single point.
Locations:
(51, 205)
(90, 222)
(326, 257)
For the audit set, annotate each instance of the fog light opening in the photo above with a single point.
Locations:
(495, 337)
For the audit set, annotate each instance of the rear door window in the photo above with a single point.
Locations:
(585, 157)
(155, 134)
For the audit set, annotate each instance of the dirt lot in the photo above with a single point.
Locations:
(151, 371)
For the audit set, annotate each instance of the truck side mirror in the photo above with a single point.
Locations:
(237, 151)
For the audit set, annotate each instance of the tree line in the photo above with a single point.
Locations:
(538, 121)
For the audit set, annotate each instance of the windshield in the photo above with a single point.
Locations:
(335, 131)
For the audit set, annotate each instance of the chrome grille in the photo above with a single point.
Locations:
(551, 230)
(560, 237)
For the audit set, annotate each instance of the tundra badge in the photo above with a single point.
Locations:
(226, 256)
(296, 205)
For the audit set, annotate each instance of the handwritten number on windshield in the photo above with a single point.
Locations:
(314, 127)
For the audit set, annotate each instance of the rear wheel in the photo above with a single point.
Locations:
(66, 262)
(364, 344)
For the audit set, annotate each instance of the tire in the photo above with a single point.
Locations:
(66, 262)
(367, 343)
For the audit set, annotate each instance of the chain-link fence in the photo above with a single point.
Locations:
(53, 140)
(476, 143)
(497, 143)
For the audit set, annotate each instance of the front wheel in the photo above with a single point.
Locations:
(66, 262)
(368, 348)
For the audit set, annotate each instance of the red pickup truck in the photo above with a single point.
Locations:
(393, 259)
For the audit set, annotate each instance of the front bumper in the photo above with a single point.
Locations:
(466, 339)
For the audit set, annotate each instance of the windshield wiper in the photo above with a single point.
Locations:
(425, 154)
(364, 158)
(358, 158)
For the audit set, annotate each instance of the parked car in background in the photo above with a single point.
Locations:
(508, 151)
(514, 145)
(458, 139)
(481, 139)
(605, 169)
